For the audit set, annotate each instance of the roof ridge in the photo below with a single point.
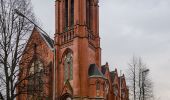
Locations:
(47, 38)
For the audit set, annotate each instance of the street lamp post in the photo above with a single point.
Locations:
(20, 14)
(143, 83)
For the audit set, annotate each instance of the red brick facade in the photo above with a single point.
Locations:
(72, 62)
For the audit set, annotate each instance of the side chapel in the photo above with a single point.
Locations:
(68, 67)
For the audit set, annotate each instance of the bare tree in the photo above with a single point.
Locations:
(140, 84)
(14, 32)
(132, 77)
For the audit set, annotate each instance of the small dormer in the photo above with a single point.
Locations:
(98, 83)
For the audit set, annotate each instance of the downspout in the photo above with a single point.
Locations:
(54, 74)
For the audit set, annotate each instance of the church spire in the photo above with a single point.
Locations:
(76, 30)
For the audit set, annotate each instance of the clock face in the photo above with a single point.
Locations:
(68, 58)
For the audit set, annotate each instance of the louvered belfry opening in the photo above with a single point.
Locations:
(66, 13)
(69, 14)
(72, 13)
(88, 14)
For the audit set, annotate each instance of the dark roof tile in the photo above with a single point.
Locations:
(93, 71)
(47, 39)
(103, 69)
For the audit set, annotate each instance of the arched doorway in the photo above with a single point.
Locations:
(66, 96)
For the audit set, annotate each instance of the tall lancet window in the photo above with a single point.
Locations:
(35, 81)
(97, 88)
(69, 13)
(66, 13)
(68, 67)
(88, 13)
(72, 12)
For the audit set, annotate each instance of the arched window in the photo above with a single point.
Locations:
(115, 90)
(97, 88)
(35, 81)
(103, 86)
(98, 85)
(106, 89)
(68, 66)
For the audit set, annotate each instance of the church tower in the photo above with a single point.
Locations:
(77, 44)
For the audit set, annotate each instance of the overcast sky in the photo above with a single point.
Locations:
(127, 28)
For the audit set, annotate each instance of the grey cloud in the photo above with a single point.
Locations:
(138, 27)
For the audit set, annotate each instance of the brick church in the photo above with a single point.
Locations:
(69, 66)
